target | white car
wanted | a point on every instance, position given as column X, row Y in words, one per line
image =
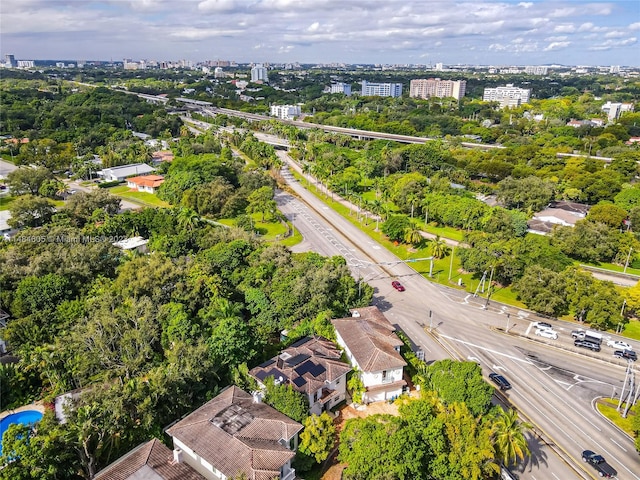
column 618, row 345
column 546, row 333
column 542, row 325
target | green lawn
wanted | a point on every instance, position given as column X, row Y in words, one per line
column 632, row 329
column 143, row 198
column 5, row 202
column 613, row 267
column 607, row 407
column 269, row 231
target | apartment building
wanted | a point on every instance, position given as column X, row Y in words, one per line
column 370, row 89
column 340, row 87
column 615, row 109
column 434, row 87
column 259, row 74
column 286, row 112
column 536, row 70
column 507, row 96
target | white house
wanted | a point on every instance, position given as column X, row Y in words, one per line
column 371, row 345
column 145, row 183
column 312, row 366
column 235, row 434
column 120, row 173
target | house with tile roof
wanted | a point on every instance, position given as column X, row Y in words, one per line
column 372, row 346
column 236, row 434
column 312, row 366
column 145, row 183
column 149, row 461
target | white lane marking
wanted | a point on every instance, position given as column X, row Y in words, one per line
column 488, row 349
column 618, row 444
column 555, row 475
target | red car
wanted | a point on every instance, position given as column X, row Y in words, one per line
column 397, row 285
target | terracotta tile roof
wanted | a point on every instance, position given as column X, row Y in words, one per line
column 149, row 461
column 307, row 365
column 371, row 339
column 153, row 181
column 237, row 435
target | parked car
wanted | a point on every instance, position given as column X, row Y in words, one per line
column 619, row 345
column 547, row 333
column 626, row 354
column 587, row 344
column 500, row 381
column 599, row 463
column 398, row 286
column 542, row 325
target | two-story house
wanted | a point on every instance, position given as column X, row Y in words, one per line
column 312, row 366
column 235, row 434
column 371, row 345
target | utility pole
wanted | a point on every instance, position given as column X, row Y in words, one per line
column 627, row 262
column 453, row 250
column 486, row 305
column 430, row 320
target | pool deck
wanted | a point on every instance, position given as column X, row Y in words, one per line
column 32, row 406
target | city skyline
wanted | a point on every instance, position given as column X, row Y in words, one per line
column 326, row 31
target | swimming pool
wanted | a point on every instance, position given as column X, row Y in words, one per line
column 26, row 417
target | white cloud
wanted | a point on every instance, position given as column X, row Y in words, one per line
column 556, row 46
column 203, row 33
column 285, row 49
column 525, row 4
column 634, row 26
column 217, row 6
column 615, row 34
column 565, row 28
column 562, row 38
column 609, row 44
column 313, row 27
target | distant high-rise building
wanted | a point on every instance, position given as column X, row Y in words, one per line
column 508, row 96
column 536, row 70
column 614, row 69
column 340, row 87
column 286, row 112
column 26, row 64
column 439, row 67
column 614, row 110
column 434, row 87
column 218, row 72
column 259, row 74
column 381, row 89
column 10, row 60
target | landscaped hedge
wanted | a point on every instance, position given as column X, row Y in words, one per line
column 115, row 183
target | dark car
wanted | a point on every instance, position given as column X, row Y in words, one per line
column 500, row 381
column 397, row 285
column 599, row 463
column 626, row 354
column 587, row 344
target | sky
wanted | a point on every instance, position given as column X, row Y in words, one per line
column 482, row 32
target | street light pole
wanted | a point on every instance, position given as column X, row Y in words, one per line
column 430, row 320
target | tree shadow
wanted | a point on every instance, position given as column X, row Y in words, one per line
column 538, row 456
column 382, row 303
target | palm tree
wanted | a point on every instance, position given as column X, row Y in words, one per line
column 376, row 208
column 188, row 218
column 412, row 235
column 508, row 437
column 439, row 247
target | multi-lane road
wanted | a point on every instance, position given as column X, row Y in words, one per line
column 554, row 385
